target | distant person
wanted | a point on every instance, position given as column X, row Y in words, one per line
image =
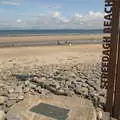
column 68, row 42
column 58, row 42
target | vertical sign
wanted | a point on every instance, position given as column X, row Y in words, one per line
column 109, row 53
column 116, row 110
column 110, row 78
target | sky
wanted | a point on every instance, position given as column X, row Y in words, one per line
column 51, row 14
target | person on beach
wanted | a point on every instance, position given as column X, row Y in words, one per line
column 68, row 42
column 58, row 42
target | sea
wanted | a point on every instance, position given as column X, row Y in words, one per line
column 48, row 32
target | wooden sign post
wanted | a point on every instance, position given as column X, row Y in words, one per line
column 110, row 78
column 116, row 108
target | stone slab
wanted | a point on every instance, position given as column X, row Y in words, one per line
column 80, row 109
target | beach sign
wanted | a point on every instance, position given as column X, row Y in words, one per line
column 110, row 78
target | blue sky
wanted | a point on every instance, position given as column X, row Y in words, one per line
column 46, row 14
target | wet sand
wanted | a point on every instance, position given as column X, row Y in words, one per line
column 49, row 40
column 51, row 37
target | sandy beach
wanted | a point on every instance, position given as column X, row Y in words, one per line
column 54, row 54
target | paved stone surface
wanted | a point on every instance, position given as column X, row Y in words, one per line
column 80, row 109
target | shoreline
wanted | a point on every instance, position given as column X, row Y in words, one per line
column 49, row 34
column 49, row 43
column 50, row 40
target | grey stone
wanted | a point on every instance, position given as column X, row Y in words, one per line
column 41, row 79
column 2, row 107
column 26, row 89
column 72, row 86
column 11, row 90
column 20, row 97
column 44, row 92
column 82, row 91
column 13, row 117
column 13, row 96
column 55, row 85
column 60, row 92
column 3, row 92
column 113, row 118
column 102, row 99
column 69, row 93
column 38, row 89
column 2, row 115
column 106, row 116
column 2, row 100
column 19, row 89
column 33, row 86
column 27, row 83
column 10, row 103
column 6, row 109
column 84, row 85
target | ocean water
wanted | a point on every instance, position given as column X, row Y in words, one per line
column 48, row 32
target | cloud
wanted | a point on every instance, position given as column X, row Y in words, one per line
column 78, row 15
column 96, row 14
column 13, row 3
column 50, row 6
column 89, row 20
column 55, row 20
column 19, row 20
column 56, row 14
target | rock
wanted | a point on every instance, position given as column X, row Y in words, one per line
column 72, row 86
column 36, row 78
column 26, row 89
column 55, row 85
column 13, row 96
column 59, row 78
column 91, row 83
column 82, row 91
column 38, row 89
column 27, row 83
column 102, row 101
column 84, row 85
column 44, row 92
column 6, row 109
column 3, row 92
column 2, row 100
column 20, row 97
column 113, row 118
column 91, row 90
column 33, row 86
column 13, row 117
column 19, row 89
column 99, row 114
column 3, row 107
column 60, row 92
column 102, row 93
column 69, row 93
column 2, row 115
column 10, row 90
column 106, row 116
column 32, row 92
column 10, row 103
